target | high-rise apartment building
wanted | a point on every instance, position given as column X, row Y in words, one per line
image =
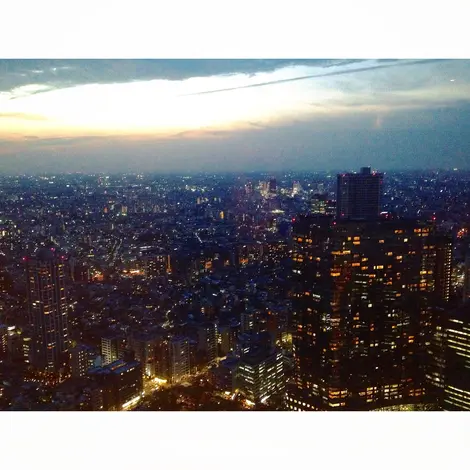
column 112, row 348
column 363, row 311
column 208, row 340
column 179, row 358
column 359, row 195
column 81, row 358
column 45, row 274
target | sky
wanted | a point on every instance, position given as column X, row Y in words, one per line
column 233, row 115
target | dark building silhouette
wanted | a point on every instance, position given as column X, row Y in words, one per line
column 45, row 274
column 359, row 195
column 120, row 384
column 363, row 298
column 272, row 186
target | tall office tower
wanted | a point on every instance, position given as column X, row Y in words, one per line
column 456, row 395
column 436, row 347
column 45, row 274
column 363, row 297
column 260, row 375
column 112, row 348
column 208, row 340
column 179, row 358
column 359, row 195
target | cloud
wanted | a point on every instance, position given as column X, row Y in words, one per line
column 24, row 116
column 198, row 133
column 81, row 139
column 69, row 73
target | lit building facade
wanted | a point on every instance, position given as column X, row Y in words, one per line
column 112, row 348
column 456, row 396
column 45, row 274
column 81, row 359
column 208, row 340
column 180, row 363
column 260, row 375
column 362, row 319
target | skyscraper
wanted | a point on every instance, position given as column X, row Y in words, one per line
column 362, row 301
column 359, row 195
column 45, row 273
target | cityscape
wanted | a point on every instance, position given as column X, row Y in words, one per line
column 181, row 236
column 298, row 291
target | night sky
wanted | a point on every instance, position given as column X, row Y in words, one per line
column 233, row 115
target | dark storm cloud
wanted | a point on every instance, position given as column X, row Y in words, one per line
column 68, row 73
